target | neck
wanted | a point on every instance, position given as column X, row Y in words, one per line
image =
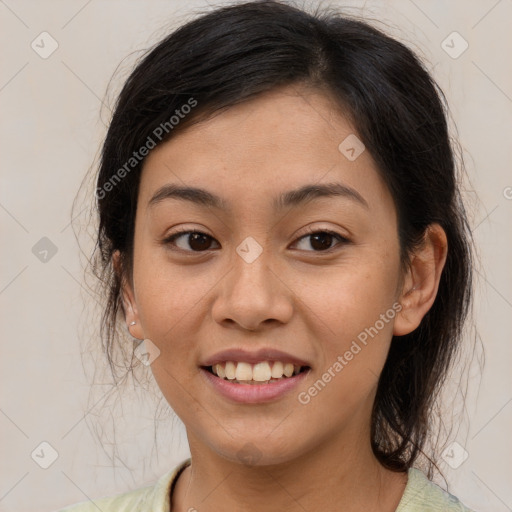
column 340, row 475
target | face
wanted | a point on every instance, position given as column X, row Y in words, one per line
column 271, row 277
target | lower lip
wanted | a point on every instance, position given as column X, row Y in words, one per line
column 254, row 393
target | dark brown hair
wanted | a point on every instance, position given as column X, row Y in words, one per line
column 233, row 53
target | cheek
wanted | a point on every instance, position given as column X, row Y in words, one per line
column 351, row 296
column 167, row 293
column 353, row 322
column 168, row 301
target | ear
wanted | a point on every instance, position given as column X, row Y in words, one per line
column 128, row 299
column 421, row 281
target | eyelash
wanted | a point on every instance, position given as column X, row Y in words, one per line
column 341, row 239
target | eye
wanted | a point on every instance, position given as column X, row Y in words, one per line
column 322, row 239
column 197, row 241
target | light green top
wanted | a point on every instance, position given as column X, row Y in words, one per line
column 420, row 495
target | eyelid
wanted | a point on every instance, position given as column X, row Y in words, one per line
column 342, row 239
column 169, row 239
column 310, row 231
column 313, row 230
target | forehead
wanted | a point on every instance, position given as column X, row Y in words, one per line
column 258, row 149
column 283, row 118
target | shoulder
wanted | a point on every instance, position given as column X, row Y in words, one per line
column 152, row 498
column 127, row 502
column 422, row 495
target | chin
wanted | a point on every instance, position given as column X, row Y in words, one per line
column 259, row 450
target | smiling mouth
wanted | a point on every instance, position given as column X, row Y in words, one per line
column 263, row 372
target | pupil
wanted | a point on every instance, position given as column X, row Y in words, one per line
column 195, row 240
column 322, row 237
column 320, row 241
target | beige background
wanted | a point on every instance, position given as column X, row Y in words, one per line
column 50, row 132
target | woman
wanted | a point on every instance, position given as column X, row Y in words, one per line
column 280, row 223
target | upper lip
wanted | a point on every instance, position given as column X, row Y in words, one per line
column 253, row 357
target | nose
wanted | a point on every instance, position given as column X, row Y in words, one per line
column 253, row 295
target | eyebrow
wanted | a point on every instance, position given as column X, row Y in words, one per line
column 292, row 198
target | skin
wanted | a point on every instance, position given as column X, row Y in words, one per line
column 293, row 297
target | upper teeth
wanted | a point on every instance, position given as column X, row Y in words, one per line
column 258, row 372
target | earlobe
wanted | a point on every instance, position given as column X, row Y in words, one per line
column 128, row 299
column 422, row 280
column 406, row 320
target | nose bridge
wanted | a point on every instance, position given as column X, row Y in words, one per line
column 252, row 277
column 252, row 293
